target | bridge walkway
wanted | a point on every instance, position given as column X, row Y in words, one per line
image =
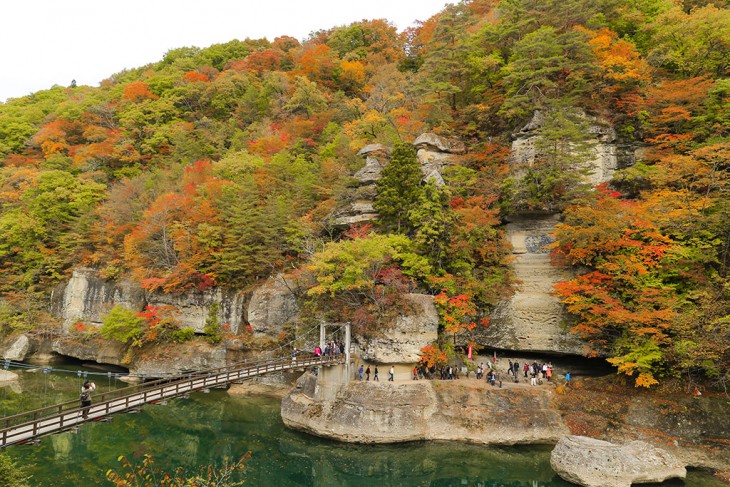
column 30, row 425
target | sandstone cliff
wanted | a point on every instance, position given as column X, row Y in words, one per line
column 608, row 154
column 466, row 410
column 435, row 153
column 87, row 297
column 388, row 412
column 533, row 319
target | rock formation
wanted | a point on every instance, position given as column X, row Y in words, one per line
column 17, row 349
column 596, row 463
column 388, row 412
column 433, row 152
column 412, row 331
column 87, row 297
column 360, row 207
column 608, row 153
column 533, row 319
column 7, row 376
column 272, row 305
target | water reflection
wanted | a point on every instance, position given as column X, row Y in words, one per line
column 210, row 427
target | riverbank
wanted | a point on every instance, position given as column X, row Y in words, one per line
column 466, row 410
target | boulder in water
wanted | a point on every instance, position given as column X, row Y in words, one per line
column 596, row 463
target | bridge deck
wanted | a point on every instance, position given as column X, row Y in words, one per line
column 27, row 426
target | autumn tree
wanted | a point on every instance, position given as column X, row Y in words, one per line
column 365, row 280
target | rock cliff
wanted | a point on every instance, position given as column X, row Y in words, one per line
column 388, row 412
column 434, row 153
column 694, row 432
column 532, row 319
column 608, row 154
column 596, row 463
column 87, row 297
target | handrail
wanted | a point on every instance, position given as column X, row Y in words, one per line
column 50, row 419
column 127, row 390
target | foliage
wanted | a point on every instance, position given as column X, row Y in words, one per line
column 145, row 473
column 364, row 280
column 220, row 166
column 139, row 328
column 212, row 328
column 12, row 474
column 122, row 325
column 182, row 335
column 432, row 356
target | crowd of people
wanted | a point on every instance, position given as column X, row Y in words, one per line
column 331, row 349
column 533, row 373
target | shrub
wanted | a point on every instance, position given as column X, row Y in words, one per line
column 182, row 336
column 122, row 325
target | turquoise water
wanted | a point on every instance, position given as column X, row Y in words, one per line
column 206, row 428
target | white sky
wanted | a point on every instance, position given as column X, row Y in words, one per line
column 49, row 42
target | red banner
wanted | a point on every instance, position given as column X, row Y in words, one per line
column 468, row 352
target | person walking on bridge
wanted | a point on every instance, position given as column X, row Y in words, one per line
column 85, row 398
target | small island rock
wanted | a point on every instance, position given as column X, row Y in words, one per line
column 596, row 463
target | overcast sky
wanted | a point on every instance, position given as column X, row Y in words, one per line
column 49, row 42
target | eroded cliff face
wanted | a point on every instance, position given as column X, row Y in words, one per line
column 533, row 319
column 607, row 155
column 264, row 312
column 412, row 331
column 273, row 305
column 391, row 412
column 435, row 153
column 87, row 297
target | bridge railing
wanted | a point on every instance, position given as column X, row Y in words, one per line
column 56, row 418
column 146, row 390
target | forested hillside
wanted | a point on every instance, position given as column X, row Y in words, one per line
column 219, row 166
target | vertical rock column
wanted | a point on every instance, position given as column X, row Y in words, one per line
column 532, row 320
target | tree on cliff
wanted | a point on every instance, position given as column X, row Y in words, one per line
column 399, row 189
column 364, row 280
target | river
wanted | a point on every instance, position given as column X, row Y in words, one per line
column 207, row 428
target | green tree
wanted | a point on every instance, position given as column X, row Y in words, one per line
column 559, row 172
column 122, row 325
column 212, row 330
column 434, row 222
column 399, row 189
column 12, row 474
column 442, row 75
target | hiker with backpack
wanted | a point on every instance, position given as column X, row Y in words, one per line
column 85, row 397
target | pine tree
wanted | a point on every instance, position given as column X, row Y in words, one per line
column 399, row 189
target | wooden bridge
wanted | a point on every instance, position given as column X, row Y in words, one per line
column 28, row 426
